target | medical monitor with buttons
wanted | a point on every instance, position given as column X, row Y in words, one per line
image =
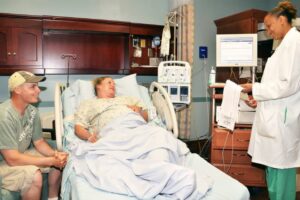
column 175, row 77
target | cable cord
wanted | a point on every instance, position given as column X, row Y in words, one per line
column 232, row 151
column 206, row 143
column 232, row 75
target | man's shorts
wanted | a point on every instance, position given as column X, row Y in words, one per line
column 20, row 178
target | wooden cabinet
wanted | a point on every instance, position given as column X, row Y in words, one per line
column 229, row 149
column 100, row 47
column 95, row 53
column 20, row 45
column 243, row 22
column 5, row 37
column 246, row 174
column 40, row 43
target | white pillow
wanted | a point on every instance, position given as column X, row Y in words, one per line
column 68, row 99
column 83, row 89
column 145, row 96
column 86, row 90
column 127, row 86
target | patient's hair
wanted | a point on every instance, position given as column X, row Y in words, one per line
column 98, row 81
column 286, row 9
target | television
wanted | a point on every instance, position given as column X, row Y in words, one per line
column 236, row 50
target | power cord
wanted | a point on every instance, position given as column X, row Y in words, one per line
column 206, row 144
column 232, row 75
column 232, row 152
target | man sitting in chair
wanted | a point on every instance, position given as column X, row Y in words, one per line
column 21, row 168
column 94, row 114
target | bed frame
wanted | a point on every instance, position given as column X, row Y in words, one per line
column 159, row 96
column 223, row 186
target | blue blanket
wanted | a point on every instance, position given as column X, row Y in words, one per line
column 136, row 159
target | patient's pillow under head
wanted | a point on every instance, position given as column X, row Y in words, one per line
column 82, row 89
column 127, row 86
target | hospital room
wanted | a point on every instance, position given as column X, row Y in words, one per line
column 150, row 99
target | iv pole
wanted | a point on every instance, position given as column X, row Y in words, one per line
column 172, row 17
column 68, row 56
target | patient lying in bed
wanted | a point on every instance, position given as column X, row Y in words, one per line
column 94, row 114
column 129, row 156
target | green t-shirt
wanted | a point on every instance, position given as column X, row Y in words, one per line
column 16, row 131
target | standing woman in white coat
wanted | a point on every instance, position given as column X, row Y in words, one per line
column 275, row 138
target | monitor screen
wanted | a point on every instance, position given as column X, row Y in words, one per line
column 236, row 50
column 174, row 90
column 184, row 90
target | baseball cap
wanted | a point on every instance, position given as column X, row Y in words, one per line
column 20, row 77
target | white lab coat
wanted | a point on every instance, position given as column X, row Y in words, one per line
column 275, row 138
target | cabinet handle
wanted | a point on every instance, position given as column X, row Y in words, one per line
column 239, row 155
column 8, row 53
column 14, row 53
column 242, row 140
column 237, row 174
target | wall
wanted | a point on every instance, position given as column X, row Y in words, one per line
column 296, row 3
column 153, row 11
column 176, row 3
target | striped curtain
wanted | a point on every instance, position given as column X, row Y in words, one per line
column 185, row 52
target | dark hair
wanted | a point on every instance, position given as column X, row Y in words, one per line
column 286, row 9
column 98, row 81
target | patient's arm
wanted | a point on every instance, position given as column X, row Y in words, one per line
column 144, row 114
column 139, row 110
column 84, row 134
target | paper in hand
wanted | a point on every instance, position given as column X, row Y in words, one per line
column 244, row 96
column 229, row 107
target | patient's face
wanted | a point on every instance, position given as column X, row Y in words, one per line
column 106, row 89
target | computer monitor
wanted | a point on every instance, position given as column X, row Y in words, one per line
column 236, row 50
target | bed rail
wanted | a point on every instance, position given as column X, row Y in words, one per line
column 58, row 111
column 164, row 107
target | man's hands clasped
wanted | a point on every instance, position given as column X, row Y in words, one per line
column 60, row 159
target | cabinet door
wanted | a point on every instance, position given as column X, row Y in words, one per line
column 96, row 52
column 5, row 52
column 27, row 46
column 239, row 139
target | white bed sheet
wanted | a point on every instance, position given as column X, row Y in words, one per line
column 224, row 188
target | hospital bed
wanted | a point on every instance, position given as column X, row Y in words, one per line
column 75, row 187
